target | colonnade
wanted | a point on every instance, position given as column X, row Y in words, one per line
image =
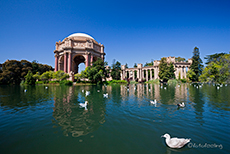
column 142, row 73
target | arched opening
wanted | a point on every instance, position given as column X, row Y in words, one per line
column 81, row 67
column 94, row 59
column 61, row 63
column 76, row 61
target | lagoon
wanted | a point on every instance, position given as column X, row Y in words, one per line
column 50, row 120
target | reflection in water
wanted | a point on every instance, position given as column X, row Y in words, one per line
column 14, row 98
column 73, row 119
column 130, row 123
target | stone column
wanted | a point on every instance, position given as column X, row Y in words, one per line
column 91, row 60
column 155, row 73
column 138, row 72
column 147, row 75
column 140, row 75
column 151, row 74
column 65, row 62
column 56, row 63
column 70, row 62
column 87, row 60
column 185, row 72
column 134, row 75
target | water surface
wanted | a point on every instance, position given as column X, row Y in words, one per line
column 50, row 120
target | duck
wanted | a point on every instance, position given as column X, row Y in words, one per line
column 84, row 105
column 46, row 87
column 25, row 90
column 175, row 142
column 181, row 104
column 153, row 102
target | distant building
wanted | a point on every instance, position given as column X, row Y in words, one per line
column 181, row 69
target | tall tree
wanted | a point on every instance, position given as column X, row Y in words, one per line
column 97, row 72
column 166, row 71
column 196, row 65
column 217, row 70
column 115, row 72
column 135, row 65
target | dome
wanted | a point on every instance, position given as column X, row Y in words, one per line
column 80, row 35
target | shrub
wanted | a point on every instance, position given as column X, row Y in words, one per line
column 172, row 81
column 66, row 82
column 53, row 82
column 183, row 80
column 154, row 81
column 117, row 82
column 39, row 82
column 29, row 78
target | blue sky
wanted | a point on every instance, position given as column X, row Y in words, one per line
column 131, row 31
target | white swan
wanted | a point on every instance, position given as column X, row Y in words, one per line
column 153, row 102
column 175, row 142
column 181, row 104
column 84, row 105
column 87, row 93
column 105, row 95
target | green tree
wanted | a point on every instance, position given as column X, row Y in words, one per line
column 60, row 75
column 46, row 76
column 116, row 70
column 135, row 65
column 217, row 70
column 214, row 58
column 196, row 65
column 166, row 71
column 37, row 76
column 180, row 59
column 97, row 72
column 29, row 79
column 171, row 71
column 11, row 72
column 149, row 64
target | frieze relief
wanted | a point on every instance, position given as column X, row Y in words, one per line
column 97, row 48
column 77, row 44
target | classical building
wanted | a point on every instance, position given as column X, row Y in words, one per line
column 142, row 72
column 75, row 49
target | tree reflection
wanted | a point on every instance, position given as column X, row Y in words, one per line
column 74, row 120
column 13, row 97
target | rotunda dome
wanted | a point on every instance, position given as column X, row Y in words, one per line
column 80, row 35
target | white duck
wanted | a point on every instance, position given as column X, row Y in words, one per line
column 153, row 102
column 175, row 142
column 181, row 104
column 84, row 105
